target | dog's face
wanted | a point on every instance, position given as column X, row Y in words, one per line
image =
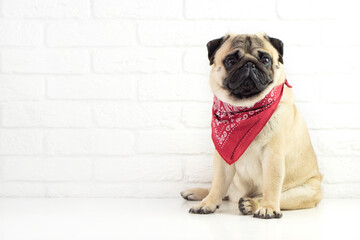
column 245, row 67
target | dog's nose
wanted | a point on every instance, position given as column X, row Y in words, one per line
column 249, row 65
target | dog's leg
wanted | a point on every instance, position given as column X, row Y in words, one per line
column 222, row 177
column 273, row 175
column 307, row 195
column 195, row 194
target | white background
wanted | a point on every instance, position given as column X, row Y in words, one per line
column 110, row 98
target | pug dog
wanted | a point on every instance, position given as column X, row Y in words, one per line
column 264, row 168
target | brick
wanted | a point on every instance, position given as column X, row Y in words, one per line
column 181, row 142
column 312, row 60
column 336, row 142
column 139, row 168
column 91, row 33
column 183, row 87
column 137, row 115
column 322, row 115
column 21, row 87
column 92, row 87
column 15, row 142
column 308, row 33
column 89, row 142
column 21, row 33
column 356, row 148
column 46, row 114
column 343, row 37
column 295, row 57
column 138, row 9
column 135, row 60
column 197, row 114
column 196, row 61
column 230, row 9
column 45, row 61
column 179, row 33
column 306, row 88
column 321, row 9
column 198, row 33
column 313, row 115
column 329, row 167
column 199, row 168
column 72, row 189
column 346, row 190
column 47, row 169
column 136, row 190
column 46, row 9
column 340, row 88
column 22, row 189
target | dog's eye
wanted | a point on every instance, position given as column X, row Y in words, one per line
column 265, row 60
column 230, row 61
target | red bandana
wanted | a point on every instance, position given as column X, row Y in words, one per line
column 234, row 128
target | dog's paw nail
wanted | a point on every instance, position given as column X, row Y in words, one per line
column 267, row 213
column 277, row 215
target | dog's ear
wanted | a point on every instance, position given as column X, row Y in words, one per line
column 279, row 46
column 212, row 47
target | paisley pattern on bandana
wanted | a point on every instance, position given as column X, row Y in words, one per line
column 234, row 128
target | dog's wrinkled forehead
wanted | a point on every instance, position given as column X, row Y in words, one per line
column 219, row 48
column 246, row 42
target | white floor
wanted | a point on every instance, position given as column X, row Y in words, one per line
column 105, row 219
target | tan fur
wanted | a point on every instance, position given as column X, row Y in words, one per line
column 279, row 169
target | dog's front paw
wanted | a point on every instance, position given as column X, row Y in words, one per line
column 203, row 209
column 246, row 206
column 267, row 213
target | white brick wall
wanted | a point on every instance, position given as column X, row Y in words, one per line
column 110, row 97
